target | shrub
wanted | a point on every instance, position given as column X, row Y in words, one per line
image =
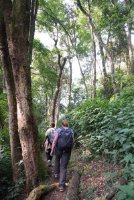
column 5, row 174
column 107, row 126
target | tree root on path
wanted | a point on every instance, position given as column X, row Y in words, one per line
column 37, row 192
column 73, row 189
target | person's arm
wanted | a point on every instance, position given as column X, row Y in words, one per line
column 54, row 143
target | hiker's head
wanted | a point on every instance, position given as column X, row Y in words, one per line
column 65, row 123
column 52, row 125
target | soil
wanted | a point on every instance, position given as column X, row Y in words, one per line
column 98, row 177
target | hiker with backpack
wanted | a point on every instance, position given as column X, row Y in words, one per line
column 62, row 145
column 47, row 143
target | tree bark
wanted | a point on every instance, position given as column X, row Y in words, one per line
column 17, row 20
column 33, row 13
column 16, row 155
column 83, row 76
column 129, row 37
column 103, row 60
column 57, row 109
column 57, row 90
column 94, row 64
column 105, row 77
column 130, row 49
column 1, row 91
column 70, row 69
column 40, row 191
column 70, row 82
column 1, row 79
column 46, row 108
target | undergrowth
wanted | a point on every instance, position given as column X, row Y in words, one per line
column 106, row 127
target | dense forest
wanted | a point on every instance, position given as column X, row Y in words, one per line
column 66, row 59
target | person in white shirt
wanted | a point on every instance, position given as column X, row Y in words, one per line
column 47, row 143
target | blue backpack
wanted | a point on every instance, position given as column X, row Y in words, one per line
column 65, row 139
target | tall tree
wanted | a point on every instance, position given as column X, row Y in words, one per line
column 65, row 19
column 17, row 25
column 16, row 155
column 129, row 6
column 61, row 65
column 44, row 78
column 98, row 36
column 94, row 64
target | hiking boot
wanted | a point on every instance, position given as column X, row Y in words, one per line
column 61, row 189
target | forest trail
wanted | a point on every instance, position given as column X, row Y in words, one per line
column 56, row 194
column 97, row 179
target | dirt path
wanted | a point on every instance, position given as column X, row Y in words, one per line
column 56, row 194
column 97, row 179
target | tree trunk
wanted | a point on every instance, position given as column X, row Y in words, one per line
column 1, row 91
column 16, row 154
column 1, row 79
column 34, row 8
column 129, row 37
column 57, row 109
column 40, row 191
column 57, row 90
column 17, row 28
column 105, row 79
column 103, row 60
column 112, row 73
column 126, row 58
column 98, row 36
column 70, row 82
column 130, row 49
column 46, row 108
column 83, row 76
column 94, row 64
column 70, row 69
